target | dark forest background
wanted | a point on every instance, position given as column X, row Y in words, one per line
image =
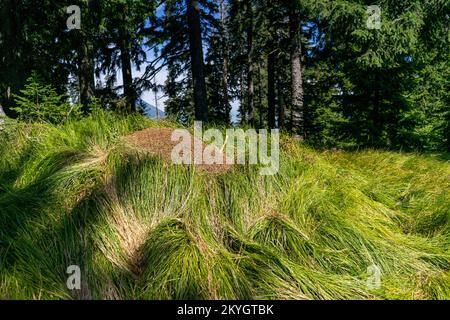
column 312, row 68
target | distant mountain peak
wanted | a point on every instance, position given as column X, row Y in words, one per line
column 149, row 110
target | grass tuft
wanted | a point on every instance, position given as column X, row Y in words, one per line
column 76, row 194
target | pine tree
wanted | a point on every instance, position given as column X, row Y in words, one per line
column 217, row 70
column 297, row 118
column 197, row 63
column 41, row 103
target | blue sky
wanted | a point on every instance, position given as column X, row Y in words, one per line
column 149, row 96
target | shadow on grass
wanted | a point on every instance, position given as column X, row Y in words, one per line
column 39, row 236
column 444, row 156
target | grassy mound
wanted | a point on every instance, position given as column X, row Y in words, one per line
column 139, row 229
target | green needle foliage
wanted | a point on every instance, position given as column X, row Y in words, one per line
column 41, row 103
column 76, row 194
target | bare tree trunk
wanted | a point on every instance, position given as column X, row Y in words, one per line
column 281, row 105
column 271, row 61
column 250, row 84
column 86, row 76
column 447, row 131
column 260, row 98
column 155, row 91
column 128, row 90
column 297, row 116
column 86, row 70
column 125, row 59
column 377, row 123
column 242, row 110
column 197, row 63
column 2, row 115
column 13, row 70
column 225, row 63
column 2, row 112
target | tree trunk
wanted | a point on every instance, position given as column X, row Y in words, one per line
column 250, row 84
column 155, row 91
column 13, row 72
column 225, row 64
column 171, row 107
column 377, row 123
column 242, row 110
column 197, row 63
column 260, row 98
column 86, row 74
column 125, row 59
column 128, row 90
column 2, row 115
column 447, row 131
column 297, row 116
column 281, row 105
column 271, row 61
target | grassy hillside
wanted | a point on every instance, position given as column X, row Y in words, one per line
column 138, row 228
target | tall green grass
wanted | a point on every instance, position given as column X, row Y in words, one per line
column 75, row 194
